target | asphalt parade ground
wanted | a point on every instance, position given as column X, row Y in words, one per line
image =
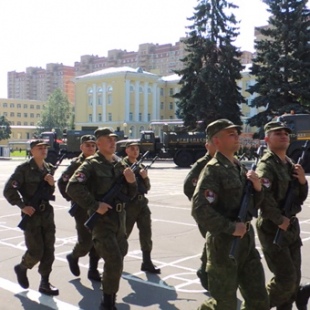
column 177, row 247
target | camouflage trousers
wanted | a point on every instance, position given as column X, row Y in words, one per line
column 40, row 242
column 284, row 262
column 84, row 243
column 139, row 212
column 227, row 275
column 111, row 244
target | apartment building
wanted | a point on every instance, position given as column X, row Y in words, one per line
column 23, row 116
column 39, row 83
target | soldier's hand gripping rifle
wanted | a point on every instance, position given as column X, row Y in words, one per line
column 290, row 198
column 40, row 194
column 113, row 193
column 245, row 207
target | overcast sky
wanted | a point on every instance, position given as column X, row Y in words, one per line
column 37, row 32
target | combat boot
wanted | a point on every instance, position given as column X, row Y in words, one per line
column 47, row 288
column 147, row 264
column 21, row 272
column 303, row 297
column 73, row 265
column 108, row 302
column 93, row 273
column 203, row 276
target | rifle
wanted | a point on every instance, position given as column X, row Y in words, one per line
column 113, row 192
column 245, row 204
column 37, row 198
column 290, row 198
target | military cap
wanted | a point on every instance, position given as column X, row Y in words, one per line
column 132, row 143
column 272, row 126
column 220, row 124
column 36, row 142
column 88, row 138
column 105, row 131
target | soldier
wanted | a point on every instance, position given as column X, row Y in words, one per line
column 90, row 182
column 216, row 201
column 276, row 171
column 84, row 243
column 137, row 210
column 189, row 186
column 31, row 178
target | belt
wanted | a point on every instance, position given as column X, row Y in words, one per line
column 119, row 207
column 43, row 206
column 140, row 197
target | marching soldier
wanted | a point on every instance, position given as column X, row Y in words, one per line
column 84, row 243
column 189, row 186
column 35, row 177
column 137, row 210
column 90, row 182
column 277, row 171
column 217, row 201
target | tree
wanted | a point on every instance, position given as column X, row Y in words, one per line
column 5, row 129
column 209, row 89
column 282, row 64
column 56, row 113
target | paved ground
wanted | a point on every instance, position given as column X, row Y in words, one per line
column 177, row 248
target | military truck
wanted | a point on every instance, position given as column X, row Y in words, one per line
column 300, row 126
column 182, row 146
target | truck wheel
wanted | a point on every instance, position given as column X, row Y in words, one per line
column 183, row 159
column 51, row 158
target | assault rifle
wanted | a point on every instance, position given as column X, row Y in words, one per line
column 114, row 191
column 38, row 196
column 290, row 198
column 245, row 208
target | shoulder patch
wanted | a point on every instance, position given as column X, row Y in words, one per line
column 80, row 177
column 15, row 184
column 266, row 182
column 194, row 182
column 65, row 177
column 209, row 195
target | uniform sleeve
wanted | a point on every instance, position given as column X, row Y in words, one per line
column 269, row 206
column 64, row 179
column 205, row 203
column 12, row 186
column 188, row 185
column 78, row 190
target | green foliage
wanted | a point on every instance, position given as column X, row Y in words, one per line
column 5, row 129
column 282, row 64
column 56, row 113
column 211, row 67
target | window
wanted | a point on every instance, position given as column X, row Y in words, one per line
column 99, row 99
column 171, row 91
column 25, row 123
column 110, row 89
column 161, row 91
column 149, row 117
column 110, row 117
column 171, row 105
column 38, row 115
column 38, row 107
column 130, row 116
column 25, row 106
column 109, row 99
column 12, row 105
column 132, row 88
column 31, row 123
column 140, row 117
column 161, row 105
column 31, row 106
column 25, row 114
column 5, row 105
column 12, row 114
column 18, row 123
column 90, row 100
column 31, row 115
column 149, row 90
column 90, row 117
column 99, row 117
column 19, row 115
column 5, row 113
column 18, row 106
column 141, row 89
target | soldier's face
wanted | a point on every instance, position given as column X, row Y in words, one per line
column 106, row 145
column 133, row 151
column 227, row 140
column 88, row 148
column 278, row 139
column 39, row 151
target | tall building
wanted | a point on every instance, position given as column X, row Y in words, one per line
column 39, row 84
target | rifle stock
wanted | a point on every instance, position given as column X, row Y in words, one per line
column 112, row 193
column 289, row 198
column 245, row 205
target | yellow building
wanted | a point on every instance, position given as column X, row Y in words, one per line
column 23, row 116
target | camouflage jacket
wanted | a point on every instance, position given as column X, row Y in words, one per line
column 218, row 194
column 94, row 178
column 25, row 181
column 276, row 177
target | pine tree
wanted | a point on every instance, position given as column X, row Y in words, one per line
column 56, row 113
column 5, row 128
column 209, row 89
column 282, row 64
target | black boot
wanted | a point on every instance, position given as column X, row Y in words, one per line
column 73, row 265
column 93, row 273
column 303, row 297
column 108, row 301
column 147, row 264
column 203, row 276
column 47, row 288
column 21, row 272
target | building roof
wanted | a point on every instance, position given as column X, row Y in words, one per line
column 113, row 70
column 171, row 78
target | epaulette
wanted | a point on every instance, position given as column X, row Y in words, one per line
column 213, row 162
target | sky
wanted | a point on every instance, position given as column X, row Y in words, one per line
column 37, row 32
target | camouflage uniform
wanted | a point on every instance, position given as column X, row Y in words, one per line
column 93, row 179
column 40, row 228
column 285, row 261
column 84, row 243
column 216, row 202
column 189, row 186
